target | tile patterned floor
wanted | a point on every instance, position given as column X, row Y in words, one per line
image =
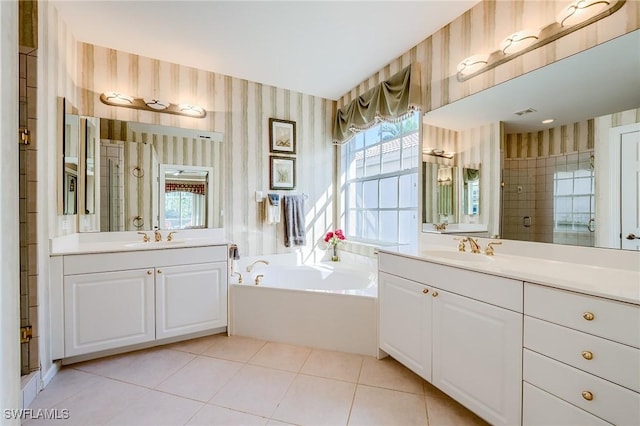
column 220, row 380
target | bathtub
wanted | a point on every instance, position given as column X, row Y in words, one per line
column 323, row 306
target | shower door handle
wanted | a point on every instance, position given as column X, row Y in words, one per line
column 591, row 226
column 633, row 237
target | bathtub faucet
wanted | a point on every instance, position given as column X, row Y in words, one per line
column 250, row 267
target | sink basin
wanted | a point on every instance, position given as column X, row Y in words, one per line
column 458, row 256
column 153, row 244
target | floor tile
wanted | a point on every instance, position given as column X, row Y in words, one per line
column 375, row 406
column 445, row 411
column 194, row 346
column 233, row 348
column 281, row 356
column 157, row 409
column 65, row 384
column 390, row 374
column 255, row 390
column 201, row 378
column 212, row 415
column 333, row 365
column 316, row 401
column 98, row 403
column 145, row 368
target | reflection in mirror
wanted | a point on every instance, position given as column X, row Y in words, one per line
column 89, row 140
column 446, row 194
column 185, row 200
column 549, row 171
column 439, row 194
column 470, row 191
column 71, row 136
column 130, row 156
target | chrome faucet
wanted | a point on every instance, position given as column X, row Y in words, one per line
column 473, row 243
column 250, row 267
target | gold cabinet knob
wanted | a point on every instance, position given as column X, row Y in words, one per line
column 587, row 395
column 159, row 271
column 149, row 272
column 425, row 291
column 588, row 355
column 434, row 294
column 588, row 316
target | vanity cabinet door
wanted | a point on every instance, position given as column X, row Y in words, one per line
column 405, row 329
column 108, row 310
column 477, row 356
column 190, row 298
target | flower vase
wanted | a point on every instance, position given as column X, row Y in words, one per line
column 334, row 253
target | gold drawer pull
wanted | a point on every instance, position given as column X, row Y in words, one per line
column 588, row 316
column 587, row 395
column 434, row 294
column 588, row 355
column 425, row 291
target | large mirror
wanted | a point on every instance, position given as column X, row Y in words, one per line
column 138, row 162
column 555, row 182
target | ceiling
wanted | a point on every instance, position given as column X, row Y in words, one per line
column 320, row 48
column 598, row 81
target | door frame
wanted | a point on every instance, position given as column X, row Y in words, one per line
column 608, row 234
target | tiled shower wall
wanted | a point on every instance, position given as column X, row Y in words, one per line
column 28, row 210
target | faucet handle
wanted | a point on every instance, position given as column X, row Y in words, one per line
column 489, row 250
column 461, row 247
column 170, row 236
column 145, row 237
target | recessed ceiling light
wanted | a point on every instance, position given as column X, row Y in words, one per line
column 548, row 120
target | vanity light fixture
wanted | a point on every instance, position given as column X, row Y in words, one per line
column 473, row 64
column 578, row 14
column 156, row 104
column 518, row 41
column 436, row 152
column 150, row 104
column 117, row 98
column 579, row 11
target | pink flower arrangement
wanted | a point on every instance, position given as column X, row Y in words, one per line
column 334, row 238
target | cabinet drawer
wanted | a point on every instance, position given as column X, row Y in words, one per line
column 499, row 291
column 104, row 262
column 612, row 320
column 603, row 399
column 610, row 360
column 540, row 408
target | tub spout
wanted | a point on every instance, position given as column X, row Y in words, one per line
column 250, row 267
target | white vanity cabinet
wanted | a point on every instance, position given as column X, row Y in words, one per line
column 581, row 356
column 458, row 329
column 104, row 301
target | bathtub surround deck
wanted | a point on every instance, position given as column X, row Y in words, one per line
column 221, row 380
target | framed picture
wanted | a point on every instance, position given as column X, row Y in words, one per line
column 282, row 173
column 282, row 136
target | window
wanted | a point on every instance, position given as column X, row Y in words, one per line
column 183, row 210
column 573, row 203
column 381, row 192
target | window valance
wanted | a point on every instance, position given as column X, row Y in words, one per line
column 193, row 187
column 390, row 100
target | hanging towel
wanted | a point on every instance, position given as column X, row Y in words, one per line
column 294, row 229
column 272, row 208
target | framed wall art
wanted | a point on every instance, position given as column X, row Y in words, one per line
column 282, row 173
column 282, row 136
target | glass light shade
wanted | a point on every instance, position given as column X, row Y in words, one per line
column 473, row 63
column 579, row 11
column 519, row 41
column 118, row 98
column 156, row 104
column 189, row 109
